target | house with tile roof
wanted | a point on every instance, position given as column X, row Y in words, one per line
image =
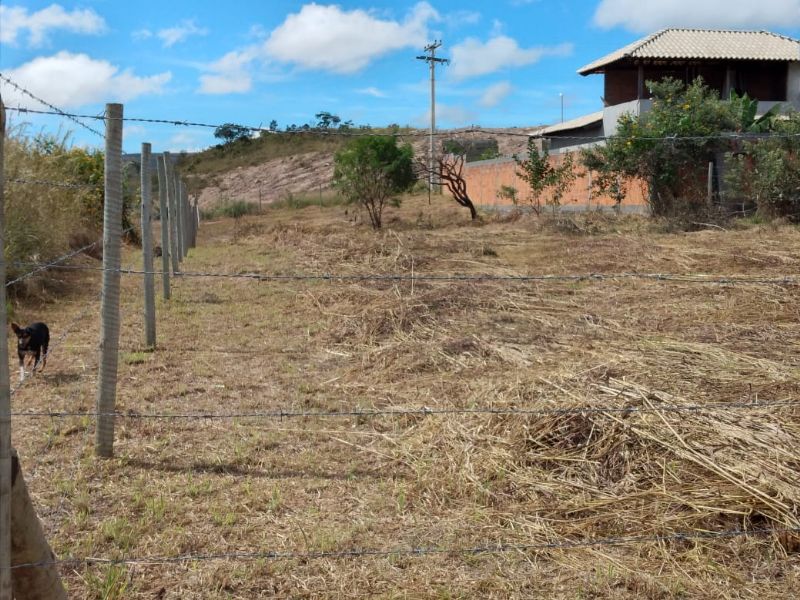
column 764, row 65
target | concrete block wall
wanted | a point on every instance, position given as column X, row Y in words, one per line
column 485, row 178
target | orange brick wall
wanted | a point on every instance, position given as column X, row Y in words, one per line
column 485, row 178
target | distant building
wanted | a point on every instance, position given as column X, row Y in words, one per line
column 764, row 65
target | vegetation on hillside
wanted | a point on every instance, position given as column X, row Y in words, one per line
column 45, row 221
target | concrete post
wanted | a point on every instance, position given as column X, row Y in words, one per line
column 109, row 305
column 173, row 212
column 165, row 247
column 147, row 252
column 5, row 397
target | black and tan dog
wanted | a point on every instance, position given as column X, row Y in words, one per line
column 32, row 341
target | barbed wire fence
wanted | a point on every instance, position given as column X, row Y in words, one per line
column 30, row 542
column 184, row 219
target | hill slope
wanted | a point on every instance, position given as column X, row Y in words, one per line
column 272, row 168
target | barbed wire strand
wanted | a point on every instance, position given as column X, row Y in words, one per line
column 425, row 134
column 359, row 413
column 62, row 338
column 785, row 280
column 55, row 109
column 488, row 548
column 57, row 184
column 39, row 267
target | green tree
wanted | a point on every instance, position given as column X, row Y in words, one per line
column 326, row 120
column 543, row 177
column 668, row 147
column 372, row 171
column 230, row 132
column 766, row 171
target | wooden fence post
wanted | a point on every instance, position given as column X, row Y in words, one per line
column 109, row 304
column 5, row 396
column 173, row 211
column 162, row 204
column 147, row 251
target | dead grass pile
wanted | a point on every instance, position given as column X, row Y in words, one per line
column 571, row 474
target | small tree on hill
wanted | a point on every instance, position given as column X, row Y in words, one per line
column 372, row 171
column 326, row 120
column 230, row 132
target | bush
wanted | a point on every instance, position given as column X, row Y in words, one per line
column 668, row 147
column 235, row 209
column 371, row 171
column 41, row 220
column 767, row 171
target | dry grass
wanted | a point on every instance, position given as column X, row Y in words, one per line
column 455, row 481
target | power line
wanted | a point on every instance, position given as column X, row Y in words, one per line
column 743, row 136
column 487, row 548
column 786, row 280
column 358, row 413
column 431, row 59
column 57, row 110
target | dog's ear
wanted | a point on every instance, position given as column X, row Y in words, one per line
column 16, row 329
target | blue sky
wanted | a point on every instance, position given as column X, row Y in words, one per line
column 250, row 62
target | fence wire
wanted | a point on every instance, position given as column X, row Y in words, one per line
column 358, row 413
column 43, row 182
column 421, row 133
column 784, row 280
column 55, row 109
column 39, row 267
column 488, row 548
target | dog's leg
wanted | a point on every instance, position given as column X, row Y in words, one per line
column 21, row 369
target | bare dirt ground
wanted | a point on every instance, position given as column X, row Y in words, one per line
column 452, row 481
column 311, row 173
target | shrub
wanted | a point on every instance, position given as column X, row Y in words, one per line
column 41, row 220
column 669, row 147
column 371, row 171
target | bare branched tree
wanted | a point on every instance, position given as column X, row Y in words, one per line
column 449, row 169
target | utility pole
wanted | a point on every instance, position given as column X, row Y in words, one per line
column 431, row 59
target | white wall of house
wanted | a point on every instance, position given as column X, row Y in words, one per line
column 793, row 85
column 611, row 114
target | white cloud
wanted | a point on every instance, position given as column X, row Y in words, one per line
column 463, row 17
column 72, row 80
column 744, row 14
column 172, row 35
column 331, row 39
column 495, row 94
column 188, row 141
column 142, row 34
column 372, row 91
column 472, row 58
column 230, row 74
column 15, row 20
